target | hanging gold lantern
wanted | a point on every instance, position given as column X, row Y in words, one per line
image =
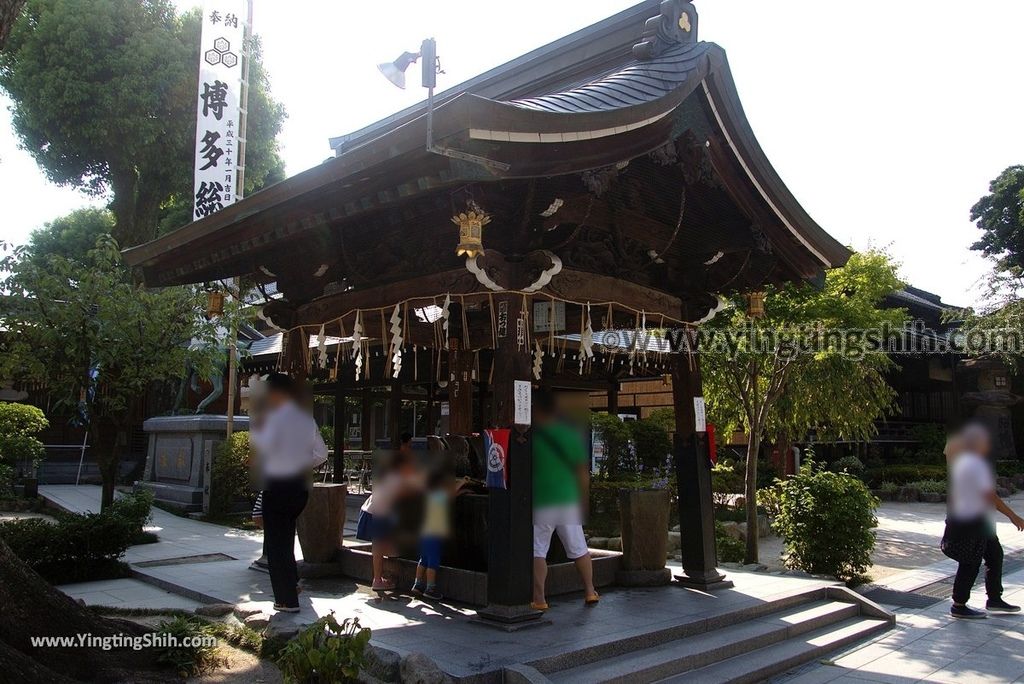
column 755, row 304
column 214, row 303
column 471, row 232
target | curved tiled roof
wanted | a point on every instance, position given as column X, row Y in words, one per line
column 636, row 84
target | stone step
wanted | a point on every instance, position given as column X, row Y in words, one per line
column 758, row 665
column 700, row 650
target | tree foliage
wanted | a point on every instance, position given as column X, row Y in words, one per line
column 769, row 387
column 1000, row 216
column 827, row 520
column 97, row 340
column 104, row 99
column 72, row 236
column 9, row 11
column 20, row 425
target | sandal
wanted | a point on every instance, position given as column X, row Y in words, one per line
column 591, row 599
column 539, row 606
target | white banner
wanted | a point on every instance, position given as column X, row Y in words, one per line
column 218, row 105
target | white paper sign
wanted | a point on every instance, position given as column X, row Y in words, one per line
column 218, row 105
column 699, row 414
column 542, row 316
column 523, row 391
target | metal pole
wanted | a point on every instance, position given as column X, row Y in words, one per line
column 239, row 194
column 81, row 457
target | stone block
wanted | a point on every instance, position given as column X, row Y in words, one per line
column 382, row 664
column 416, row 668
column 674, row 541
column 215, row 609
column 598, row 543
column 257, row 621
column 909, row 494
column 321, row 527
column 615, row 543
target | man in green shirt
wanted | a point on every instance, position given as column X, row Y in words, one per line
column 561, row 486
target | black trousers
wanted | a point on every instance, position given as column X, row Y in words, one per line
column 283, row 501
column 967, row 573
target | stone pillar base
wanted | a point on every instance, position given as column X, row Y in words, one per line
column 643, row 578
column 711, row 583
column 509, row 618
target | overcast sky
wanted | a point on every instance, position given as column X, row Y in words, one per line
column 886, row 120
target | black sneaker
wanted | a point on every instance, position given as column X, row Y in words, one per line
column 1000, row 606
column 417, row 589
column 967, row 613
column 432, row 593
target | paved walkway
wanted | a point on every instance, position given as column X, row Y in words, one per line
column 929, row 646
column 926, row 646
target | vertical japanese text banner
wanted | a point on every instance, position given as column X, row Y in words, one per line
column 218, row 105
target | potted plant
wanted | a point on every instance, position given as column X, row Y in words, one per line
column 644, row 507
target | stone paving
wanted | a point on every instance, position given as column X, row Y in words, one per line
column 929, row 646
column 926, row 646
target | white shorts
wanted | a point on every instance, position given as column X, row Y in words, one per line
column 562, row 519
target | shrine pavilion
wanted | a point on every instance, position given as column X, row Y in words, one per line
column 606, row 182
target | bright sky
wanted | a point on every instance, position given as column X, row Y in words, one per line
column 886, row 120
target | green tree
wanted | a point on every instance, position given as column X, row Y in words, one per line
column 104, row 98
column 19, row 426
column 97, row 340
column 72, row 236
column 1000, row 216
column 9, row 11
column 770, row 387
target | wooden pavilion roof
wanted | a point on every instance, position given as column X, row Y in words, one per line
column 567, row 121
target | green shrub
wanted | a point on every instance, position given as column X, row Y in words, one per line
column 194, row 648
column 1009, row 468
column 19, row 425
column 75, row 548
column 6, row 480
column 931, row 486
column 134, row 508
column 848, row 464
column 889, row 487
column 827, row 521
column 230, row 477
column 730, row 549
column 904, row 474
column 325, row 652
column 726, row 480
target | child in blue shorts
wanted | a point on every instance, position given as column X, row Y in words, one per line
column 436, row 529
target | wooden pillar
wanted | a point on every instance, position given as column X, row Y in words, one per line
column 395, row 411
column 365, row 420
column 339, row 433
column 510, row 511
column 613, row 397
column 693, row 476
column 460, row 388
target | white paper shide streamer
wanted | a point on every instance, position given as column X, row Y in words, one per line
column 538, row 360
column 396, row 342
column 321, row 346
column 357, row 344
column 445, row 313
column 586, row 340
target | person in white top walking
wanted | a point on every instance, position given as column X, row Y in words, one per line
column 288, row 446
column 970, row 536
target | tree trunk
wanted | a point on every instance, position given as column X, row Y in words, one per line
column 9, row 11
column 32, row 608
column 124, row 182
column 147, row 213
column 109, row 466
column 750, row 494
